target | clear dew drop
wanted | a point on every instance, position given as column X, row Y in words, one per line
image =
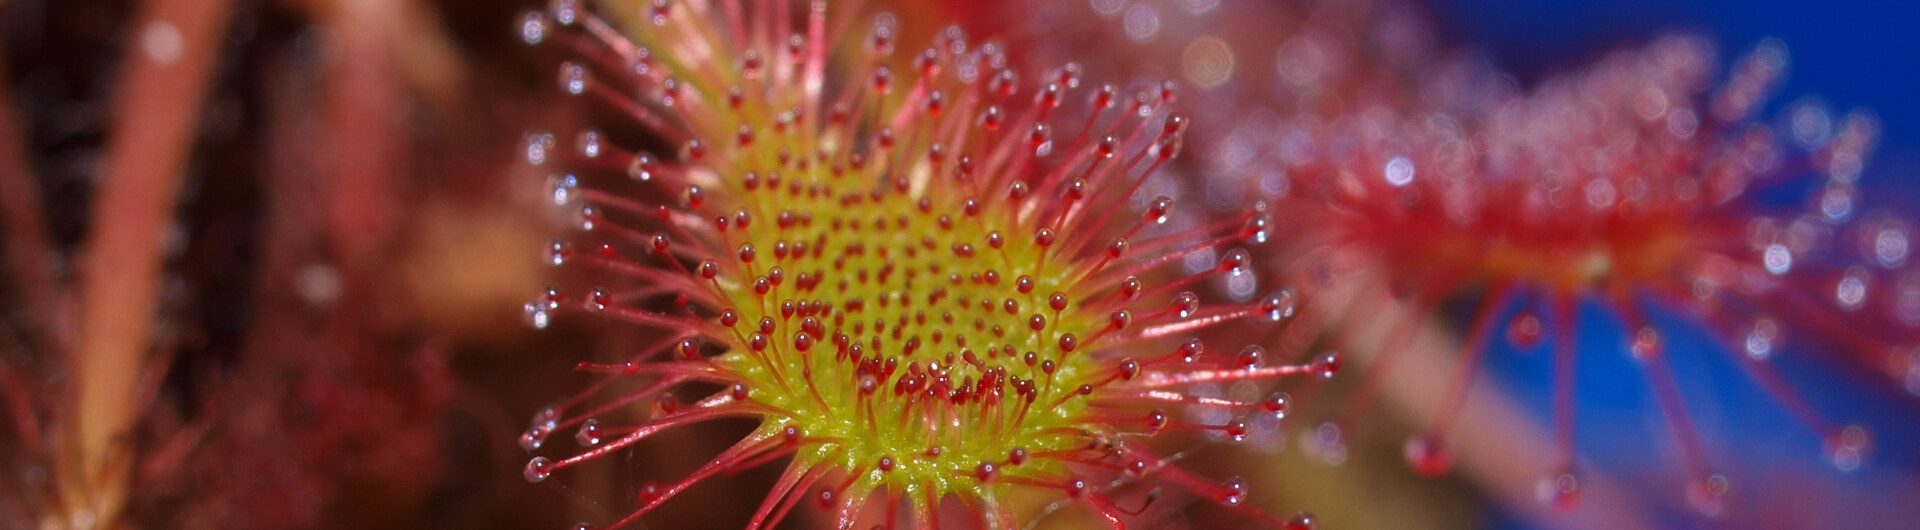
column 558, row 252
column 566, row 12
column 546, row 418
column 1303, row 521
column 590, row 144
column 1560, row 490
column 1236, row 492
column 1837, row 202
column 1524, row 331
column 1251, row 357
column 1708, row 494
column 1186, row 304
column 1851, row 292
column 565, row 188
column 1890, row 246
column 1157, row 209
column 536, row 147
column 1329, row 443
column 1777, row 259
column 533, row 27
column 1191, row 349
column 641, row 168
column 1762, row 338
column 1399, row 171
column 1646, row 344
column 589, row 433
column 1256, row 229
column 1278, row 405
column 1847, row 449
column 587, row 218
column 573, row 78
column 1326, row 365
column 1277, row 306
column 1236, row 430
column 536, row 315
column 538, row 469
column 1042, row 140
column 598, row 300
column 1236, row 261
column 538, row 312
column 534, row 437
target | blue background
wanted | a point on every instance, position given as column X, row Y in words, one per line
column 1851, row 54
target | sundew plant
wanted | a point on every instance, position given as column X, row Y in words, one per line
column 919, row 271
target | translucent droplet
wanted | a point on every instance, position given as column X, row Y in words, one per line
column 537, row 469
column 1399, row 171
column 589, row 218
column 1890, row 245
column 641, row 169
column 1836, row 202
column 1708, row 494
column 1042, row 140
column 536, row 315
column 1847, row 449
column 1142, row 22
column 1761, row 338
column 1186, row 304
column 537, row 312
column 1851, row 292
column 537, row 145
column 1524, row 331
column 590, row 144
column 566, row 12
column 1236, row 492
column 1240, row 287
column 533, row 27
column 546, row 418
column 1303, row 521
column 1777, row 259
column 1277, row 306
column 589, row 433
column 558, row 252
column 1207, row 62
column 1235, row 430
column 1256, row 229
column 534, row 437
column 1811, row 124
column 1251, row 357
column 573, row 78
column 1157, row 209
column 1191, row 349
column 598, row 300
column 1329, row 443
column 1646, row 344
column 1236, row 261
column 1277, row 405
column 1326, row 365
column 1560, row 490
column 565, row 188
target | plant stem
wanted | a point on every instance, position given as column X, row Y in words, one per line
column 172, row 47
